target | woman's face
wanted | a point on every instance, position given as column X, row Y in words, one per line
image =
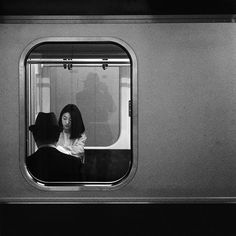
column 66, row 121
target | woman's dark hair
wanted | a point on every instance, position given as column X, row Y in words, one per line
column 77, row 124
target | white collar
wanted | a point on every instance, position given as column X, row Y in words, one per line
column 48, row 145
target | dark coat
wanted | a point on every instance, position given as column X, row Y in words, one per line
column 48, row 164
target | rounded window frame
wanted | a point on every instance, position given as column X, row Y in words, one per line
column 23, row 92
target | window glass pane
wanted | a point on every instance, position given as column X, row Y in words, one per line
column 95, row 91
column 96, row 78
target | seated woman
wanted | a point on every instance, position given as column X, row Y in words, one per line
column 72, row 137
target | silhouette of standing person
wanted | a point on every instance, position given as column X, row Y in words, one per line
column 97, row 104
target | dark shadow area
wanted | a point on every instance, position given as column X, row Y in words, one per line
column 123, row 7
column 106, row 165
column 118, row 219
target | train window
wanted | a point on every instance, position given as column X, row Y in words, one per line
column 96, row 77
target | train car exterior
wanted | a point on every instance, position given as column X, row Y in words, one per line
column 182, row 128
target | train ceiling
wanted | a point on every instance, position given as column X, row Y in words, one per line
column 116, row 7
column 78, row 50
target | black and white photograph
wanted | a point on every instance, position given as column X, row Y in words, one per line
column 117, row 117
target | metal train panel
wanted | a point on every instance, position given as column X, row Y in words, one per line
column 184, row 129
